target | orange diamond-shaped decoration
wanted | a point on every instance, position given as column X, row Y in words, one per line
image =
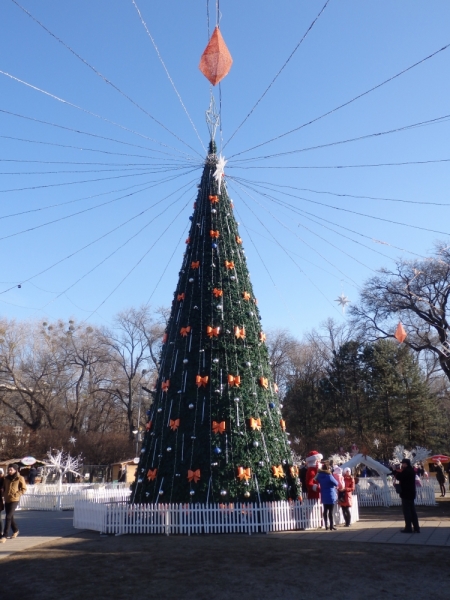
column 400, row 333
column 216, row 61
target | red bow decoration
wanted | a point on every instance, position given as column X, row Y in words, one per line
column 255, row 424
column 275, row 388
column 278, row 471
column 262, row 336
column 218, row 427
column 180, row 297
column 217, row 293
column 165, row 385
column 400, row 333
column 212, row 331
column 151, row 474
column 239, row 333
column 246, row 295
column 193, row 475
column 194, row 205
column 195, row 264
column 164, row 339
column 174, row 424
column 185, row 330
column 283, row 424
column 293, row 471
column 229, row 264
column 264, row 382
column 244, row 474
column 148, row 426
column 238, row 240
column 188, row 240
column 201, row 381
column 234, row 380
column 214, row 233
column 214, row 199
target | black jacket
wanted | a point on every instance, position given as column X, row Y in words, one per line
column 407, row 480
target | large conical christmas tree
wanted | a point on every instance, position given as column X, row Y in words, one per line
column 215, row 432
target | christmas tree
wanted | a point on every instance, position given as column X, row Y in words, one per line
column 215, row 432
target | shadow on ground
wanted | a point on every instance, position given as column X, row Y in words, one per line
column 217, row 567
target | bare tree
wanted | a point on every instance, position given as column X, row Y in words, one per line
column 415, row 293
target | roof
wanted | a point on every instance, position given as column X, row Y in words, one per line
column 369, row 462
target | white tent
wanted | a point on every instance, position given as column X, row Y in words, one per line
column 359, row 459
column 383, row 471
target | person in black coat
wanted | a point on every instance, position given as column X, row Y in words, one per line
column 407, row 479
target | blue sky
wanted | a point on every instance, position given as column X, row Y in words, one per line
column 298, row 266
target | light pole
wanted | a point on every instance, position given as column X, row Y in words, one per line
column 138, row 428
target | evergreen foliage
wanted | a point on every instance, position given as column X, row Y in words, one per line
column 366, row 391
column 215, row 431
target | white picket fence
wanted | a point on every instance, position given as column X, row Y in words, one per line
column 116, row 518
column 50, row 497
column 371, row 491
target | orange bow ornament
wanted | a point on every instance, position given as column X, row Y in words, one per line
column 214, row 199
column 174, row 424
column 264, row 382
column 238, row 240
column 255, row 424
column 151, row 474
column 180, row 297
column 218, row 427
column 214, row 233
column 275, row 388
column 185, row 330
column 148, row 426
column 165, row 385
column 193, row 475
column 262, row 336
column 217, row 293
column 229, row 264
column 244, row 474
column 234, row 380
column 201, row 381
column 246, row 295
column 278, row 471
column 188, row 240
column 293, row 471
column 164, row 339
column 212, row 331
column 239, row 333
column 283, row 424
column 195, row 264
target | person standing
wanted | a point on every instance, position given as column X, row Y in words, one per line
column 328, row 494
column 14, row 487
column 440, row 476
column 32, row 474
column 407, row 480
column 2, row 506
column 345, row 499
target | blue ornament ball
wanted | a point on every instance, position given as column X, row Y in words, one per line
column 217, row 451
column 214, row 246
column 190, row 218
column 271, row 405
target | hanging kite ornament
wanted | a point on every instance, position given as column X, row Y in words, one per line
column 400, row 333
column 216, row 61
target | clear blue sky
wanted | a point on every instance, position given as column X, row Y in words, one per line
column 353, row 46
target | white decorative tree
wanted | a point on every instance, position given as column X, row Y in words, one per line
column 63, row 463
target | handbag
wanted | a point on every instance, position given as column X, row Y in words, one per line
column 398, row 488
column 341, row 496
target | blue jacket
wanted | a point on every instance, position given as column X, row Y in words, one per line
column 328, row 485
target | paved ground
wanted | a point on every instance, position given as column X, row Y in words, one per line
column 376, row 525
column 38, row 527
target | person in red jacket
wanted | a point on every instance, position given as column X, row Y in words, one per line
column 312, row 462
column 345, row 498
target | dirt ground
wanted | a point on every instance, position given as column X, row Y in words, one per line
column 219, row 567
